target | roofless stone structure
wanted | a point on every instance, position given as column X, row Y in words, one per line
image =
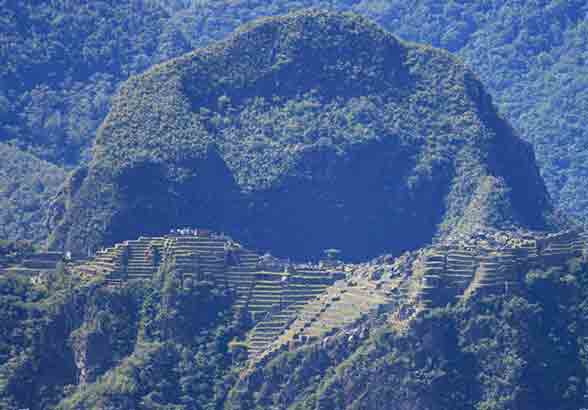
column 494, row 264
column 265, row 286
column 305, row 303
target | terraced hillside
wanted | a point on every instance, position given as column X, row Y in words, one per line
column 30, row 264
column 432, row 277
column 265, row 287
column 307, row 320
column 303, row 285
column 294, row 304
column 455, row 271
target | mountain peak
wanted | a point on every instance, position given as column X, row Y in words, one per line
column 300, row 133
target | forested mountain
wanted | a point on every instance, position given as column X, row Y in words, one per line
column 66, row 59
column 315, row 129
column 63, row 60
column 250, row 138
column 155, row 345
column 27, row 185
column 61, row 63
column 531, row 55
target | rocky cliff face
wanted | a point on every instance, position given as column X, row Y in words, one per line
column 300, row 133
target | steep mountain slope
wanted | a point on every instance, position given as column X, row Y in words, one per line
column 65, row 338
column 496, row 352
column 530, row 55
column 62, row 62
column 66, row 59
column 175, row 338
column 27, row 184
column 532, row 58
column 297, row 134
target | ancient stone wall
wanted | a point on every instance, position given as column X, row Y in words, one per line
column 455, row 271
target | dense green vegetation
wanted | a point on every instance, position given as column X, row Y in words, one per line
column 279, row 120
column 266, row 136
column 531, row 55
column 27, row 185
column 15, row 248
column 68, row 343
column 62, row 61
column 65, row 60
column 514, row 351
column 35, row 362
column 72, row 344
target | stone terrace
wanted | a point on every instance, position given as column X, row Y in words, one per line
column 453, row 272
column 270, row 291
column 294, row 304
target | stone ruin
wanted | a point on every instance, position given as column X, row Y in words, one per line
column 293, row 304
column 493, row 263
column 269, row 290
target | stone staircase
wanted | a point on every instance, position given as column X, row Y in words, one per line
column 338, row 306
column 493, row 275
column 461, row 266
column 105, row 263
column 562, row 248
column 435, row 265
column 266, row 294
column 108, row 262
